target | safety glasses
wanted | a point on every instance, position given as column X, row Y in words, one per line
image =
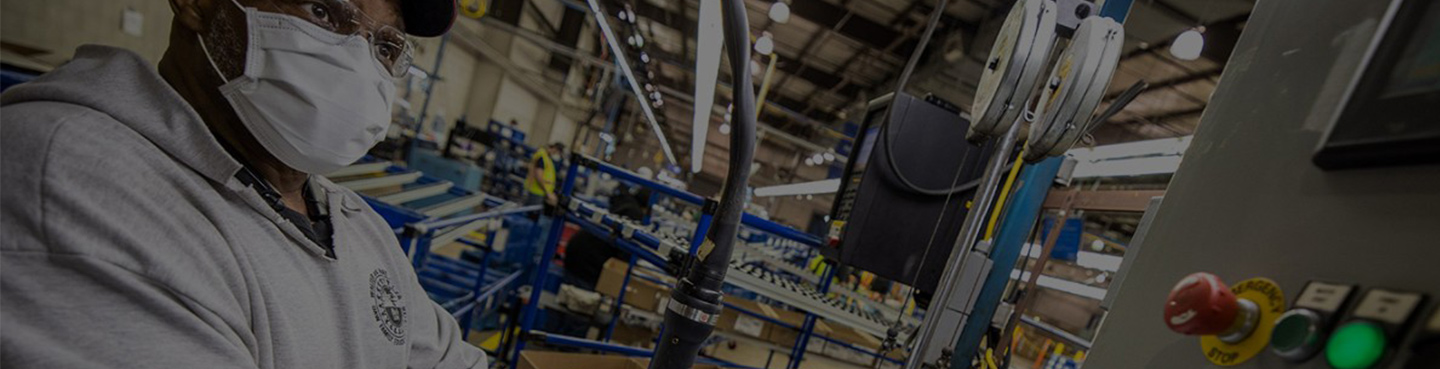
column 389, row 45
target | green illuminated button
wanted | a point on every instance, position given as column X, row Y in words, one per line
column 1356, row 345
column 1297, row 335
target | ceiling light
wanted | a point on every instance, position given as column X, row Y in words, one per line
column 710, row 40
column 809, row 197
column 780, row 12
column 755, row 67
column 805, row 188
column 1188, row 45
column 809, row 161
column 724, row 128
column 829, row 157
column 644, row 58
column 765, row 45
column 817, row 158
column 621, row 15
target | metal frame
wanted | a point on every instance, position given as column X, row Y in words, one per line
column 563, row 340
column 379, row 182
column 652, row 249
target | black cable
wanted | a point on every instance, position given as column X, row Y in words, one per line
column 742, row 144
column 905, row 182
column 1120, row 102
column 695, row 302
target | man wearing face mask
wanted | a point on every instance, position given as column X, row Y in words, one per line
column 179, row 219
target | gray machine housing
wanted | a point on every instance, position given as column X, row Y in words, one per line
column 1247, row 201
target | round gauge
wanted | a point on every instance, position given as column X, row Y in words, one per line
column 1075, row 87
column 1016, row 61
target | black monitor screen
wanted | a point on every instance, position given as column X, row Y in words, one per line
column 1392, row 115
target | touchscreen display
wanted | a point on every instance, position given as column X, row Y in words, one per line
column 1417, row 70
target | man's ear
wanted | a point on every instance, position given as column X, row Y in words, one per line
column 188, row 13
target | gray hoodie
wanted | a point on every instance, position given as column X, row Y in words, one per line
column 128, row 242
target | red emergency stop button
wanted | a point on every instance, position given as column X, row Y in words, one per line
column 1201, row 304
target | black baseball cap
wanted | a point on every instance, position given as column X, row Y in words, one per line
column 428, row 18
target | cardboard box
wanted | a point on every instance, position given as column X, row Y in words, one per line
column 633, row 336
column 744, row 324
column 857, row 338
column 564, row 360
column 781, row 335
column 851, row 336
column 640, row 293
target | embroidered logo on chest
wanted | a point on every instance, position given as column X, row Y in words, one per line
column 389, row 306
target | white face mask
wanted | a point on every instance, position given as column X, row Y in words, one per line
column 314, row 99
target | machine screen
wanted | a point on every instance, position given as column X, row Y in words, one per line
column 1390, row 116
column 1418, row 69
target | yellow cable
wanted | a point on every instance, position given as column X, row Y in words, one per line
column 990, row 359
column 765, row 86
column 480, row 8
column 1004, row 193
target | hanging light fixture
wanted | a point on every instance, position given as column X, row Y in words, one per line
column 644, row 57
column 1188, row 45
column 780, row 12
column 765, row 44
column 725, row 128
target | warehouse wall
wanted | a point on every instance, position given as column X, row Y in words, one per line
column 57, row 27
column 451, row 92
column 469, row 84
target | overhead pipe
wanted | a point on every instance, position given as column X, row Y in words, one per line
column 624, row 62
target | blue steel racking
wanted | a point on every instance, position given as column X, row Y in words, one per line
column 643, row 246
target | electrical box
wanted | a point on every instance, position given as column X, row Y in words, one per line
column 881, row 226
column 1268, row 260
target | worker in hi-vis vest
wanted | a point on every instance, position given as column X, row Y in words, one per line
column 540, row 179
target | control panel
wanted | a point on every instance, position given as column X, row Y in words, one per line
column 1262, row 256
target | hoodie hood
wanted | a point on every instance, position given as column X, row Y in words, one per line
column 121, row 84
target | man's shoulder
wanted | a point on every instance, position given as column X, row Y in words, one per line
column 35, row 131
column 63, row 161
column 79, row 182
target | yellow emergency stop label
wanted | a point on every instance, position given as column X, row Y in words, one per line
column 1271, row 301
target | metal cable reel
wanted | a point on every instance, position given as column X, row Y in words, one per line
column 1016, row 62
column 1075, row 87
